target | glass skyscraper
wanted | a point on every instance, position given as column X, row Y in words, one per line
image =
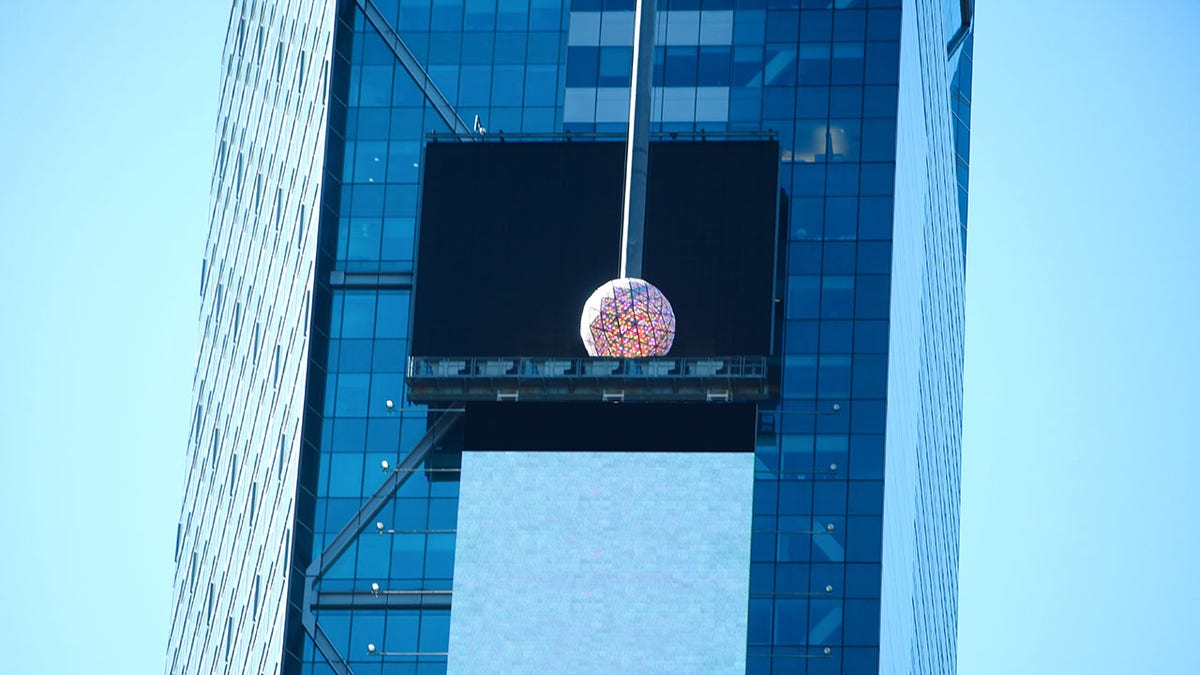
column 321, row 524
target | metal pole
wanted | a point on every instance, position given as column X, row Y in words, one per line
column 637, row 149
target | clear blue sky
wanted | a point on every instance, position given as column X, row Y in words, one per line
column 1081, row 447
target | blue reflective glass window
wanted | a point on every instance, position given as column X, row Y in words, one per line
column 475, row 86
column 860, row 659
column 345, row 475
column 477, row 48
column 883, row 24
column 435, row 630
column 385, row 387
column 791, row 578
column 513, row 16
column 845, row 101
column 816, row 25
column 875, row 218
column 510, row 48
column 439, row 556
column 351, row 395
column 878, row 140
column 811, row 102
column 862, row 580
column 831, row 449
column 807, row 216
column 375, row 88
column 795, row 540
column 760, row 621
column 869, row 417
column 839, row 258
column 354, row 356
column 583, row 66
column 349, row 433
column 408, row 556
column 714, row 66
column 616, row 64
column 447, row 15
column 410, row 515
column 813, row 64
column 778, row 67
column 870, row 375
column 370, row 123
column 766, row 495
column 864, row 539
column 508, row 88
column 783, row 26
column 874, row 257
column 880, row 101
column 480, row 15
column 680, row 66
column 849, row 25
column 840, row 218
column 397, row 240
column 803, row 297
column 363, row 238
column 541, row 85
column 779, row 103
column 829, row 496
column 866, row 456
column 368, row 201
column 401, row 200
column 804, row 258
column 871, row 337
column 825, row 574
column 795, row 497
column 861, row 623
column 837, row 296
column 445, row 49
column 358, row 314
column 382, row 434
column 402, row 629
column 872, row 295
column 414, row 16
column 791, row 621
column 866, row 498
column 800, row 337
column 878, row 178
column 545, row 15
column 796, row 454
column 374, row 555
column 883, row 62
column 825, row 619
column 762, row 546
column 392, row 318
column 847, row 65
column 841, row 179
column 799, row 376
column 836, row 337
column 809, row 180
column 833, row 380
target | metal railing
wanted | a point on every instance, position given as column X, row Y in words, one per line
column 526, row 367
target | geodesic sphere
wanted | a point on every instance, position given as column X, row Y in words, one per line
column 627, row 318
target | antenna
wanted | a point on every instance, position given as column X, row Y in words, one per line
column 637, row 146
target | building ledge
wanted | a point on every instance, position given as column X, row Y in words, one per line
column 712, row 379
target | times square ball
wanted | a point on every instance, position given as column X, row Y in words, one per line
column 627, row 318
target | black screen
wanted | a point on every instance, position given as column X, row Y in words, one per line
column 515, row 236
column 611, row 427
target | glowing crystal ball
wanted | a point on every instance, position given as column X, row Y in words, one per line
column 627, row 318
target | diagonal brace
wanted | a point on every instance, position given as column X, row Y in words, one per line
column 377, row 501
column 434, row 95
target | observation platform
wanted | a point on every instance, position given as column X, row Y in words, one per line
column 443, row 379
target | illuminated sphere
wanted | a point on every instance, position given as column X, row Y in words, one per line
column 627, row 318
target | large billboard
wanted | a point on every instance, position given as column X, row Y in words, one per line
column 609, row 562
column 514, row 237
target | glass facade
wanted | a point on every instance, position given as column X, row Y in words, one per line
column 298, row 549
column 233, row 542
